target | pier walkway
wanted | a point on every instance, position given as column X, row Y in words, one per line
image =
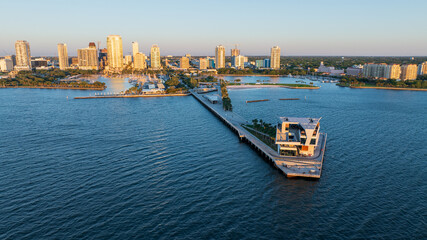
column 310, row 167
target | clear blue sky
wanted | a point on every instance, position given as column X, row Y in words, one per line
column 299, row 27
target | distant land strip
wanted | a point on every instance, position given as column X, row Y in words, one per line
column 393, row 88
column 137, row 96
column 47, row 87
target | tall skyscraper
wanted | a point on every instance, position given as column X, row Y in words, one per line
column 220, row 56
column 87, row 57
column 115, row 53
column 409, row 72
column 184, row 63
column 63, row 56
column 155, row 57
column 235, row 52
column 139, row 61
column 135, row 48
column 23, row 55
column 275, row 57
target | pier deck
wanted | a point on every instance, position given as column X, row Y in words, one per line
column 309, row 167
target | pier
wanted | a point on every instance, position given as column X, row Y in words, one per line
column 307, row 167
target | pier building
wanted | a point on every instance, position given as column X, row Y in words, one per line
column 297, row 136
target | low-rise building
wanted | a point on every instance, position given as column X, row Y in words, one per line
column 203, row 63
column 127, row 60
column 184, row 63
column 354, row 71
column 39, row 63
column 323, row 69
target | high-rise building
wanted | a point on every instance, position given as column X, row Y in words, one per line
column 211, row 62
column 220, row 56
column 155, row 57
column 88, row 59
column 235, row 52
column 267, row 63
column 139, row 61
column 409, row 72
column 63, row 56
column 275, row 57
column 203, row 63
column 128, row 60
column 184, row 63
column 238, row 61
column 115, row 53
column 135, row 48
column 23, row 55
column 371, row 70
column 6, row 65
column 188, row 56
column 422, row 68
column 102, row 58
column 393, row 71
column 381, row 71
column 259, row 63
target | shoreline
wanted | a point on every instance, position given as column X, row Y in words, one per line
column 137, row 96
column 62, row 88
column 391, row 88
column 267, row 86
column 250, row 75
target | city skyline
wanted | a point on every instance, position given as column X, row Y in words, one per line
column 330, row 28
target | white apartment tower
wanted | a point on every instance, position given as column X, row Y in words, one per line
column 23, row 55
column 275, row 57
column 115, row 52
column 220, row 57
column 63, row 56
column 135, row 48
column 155, row 57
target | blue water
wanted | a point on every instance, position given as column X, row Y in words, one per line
column 166, row 168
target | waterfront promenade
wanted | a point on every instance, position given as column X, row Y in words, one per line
column 309, row 167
